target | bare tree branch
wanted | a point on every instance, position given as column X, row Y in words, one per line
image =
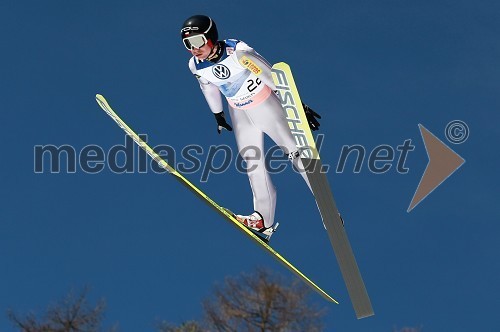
column 72, row 314
column 261, row 302
column 189, row 326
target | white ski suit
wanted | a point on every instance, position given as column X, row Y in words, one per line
column 244, row 77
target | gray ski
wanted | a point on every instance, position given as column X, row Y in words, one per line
column 332, row 220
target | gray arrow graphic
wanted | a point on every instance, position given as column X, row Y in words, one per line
column 443, row 162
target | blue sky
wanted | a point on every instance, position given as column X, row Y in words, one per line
column 373, row 70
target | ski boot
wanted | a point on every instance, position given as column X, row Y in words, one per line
column 255, row 222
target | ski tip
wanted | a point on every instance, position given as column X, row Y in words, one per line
column 281, row 64
column 101, row 101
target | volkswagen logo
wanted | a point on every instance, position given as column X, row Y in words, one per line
column 221, row 72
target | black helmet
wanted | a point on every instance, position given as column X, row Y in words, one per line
column 199, row 25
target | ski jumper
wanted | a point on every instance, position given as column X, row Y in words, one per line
column 244, row 77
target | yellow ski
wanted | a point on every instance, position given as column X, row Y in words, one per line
column 222, row 211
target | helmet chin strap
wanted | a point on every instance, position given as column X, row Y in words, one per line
column 214, row 52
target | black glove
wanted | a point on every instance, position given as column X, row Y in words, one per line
column 311, row 117
column 221, row 122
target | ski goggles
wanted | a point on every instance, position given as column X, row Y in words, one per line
column 195, row 41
